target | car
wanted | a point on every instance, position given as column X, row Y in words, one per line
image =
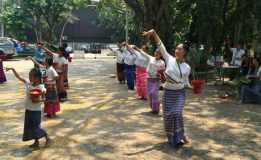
column 95, row 48
column 86, row 48
column 7, row 46
column 69, row 50
column 3, row 56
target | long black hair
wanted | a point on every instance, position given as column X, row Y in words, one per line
column 62, row 49
column 186, row 45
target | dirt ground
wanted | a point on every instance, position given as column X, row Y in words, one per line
column 103, row 120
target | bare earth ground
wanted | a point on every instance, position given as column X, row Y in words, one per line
column 102, row 120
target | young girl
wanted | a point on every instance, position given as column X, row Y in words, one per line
column 51, row 104
column 61, row 65
column 32, row 122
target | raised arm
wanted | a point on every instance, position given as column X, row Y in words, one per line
column 159, row 43
column 35, row 62
column 144, row 54
column 18, row 76
column 48, row 52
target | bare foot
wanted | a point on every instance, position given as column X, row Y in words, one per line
column 34, row 146
column 186, row 140
column 48, row 142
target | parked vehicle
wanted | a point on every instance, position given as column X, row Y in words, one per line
column 7, row 46
column 69, row 50
column 86, row 48
column 3, row 56
column 95, row 48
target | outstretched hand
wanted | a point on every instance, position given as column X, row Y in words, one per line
column 29, row 57
column 147, row 33
column 8, row 69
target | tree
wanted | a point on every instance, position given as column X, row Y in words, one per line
column 112, row 15
column 154, row 14
column 46, row 14
column 14, row 20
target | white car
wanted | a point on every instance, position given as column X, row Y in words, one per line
column 7, row 46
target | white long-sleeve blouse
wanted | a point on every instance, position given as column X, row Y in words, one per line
column 177, row 74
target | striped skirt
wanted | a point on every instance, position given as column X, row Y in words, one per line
column 173, row 103
column 52, row 104
column 32, row 126
column 141, row 80
column 2, row 73
column 60, row 86
column 153, row 85
column 129, row 72
column 120, row 72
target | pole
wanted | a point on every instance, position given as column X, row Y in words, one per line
column 2, row 23
column 127, row 25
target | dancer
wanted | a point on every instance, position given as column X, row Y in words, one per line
column 129, row 67
column 141, row 73
column 2, row 73
column 120, row 56
column 60, row 64
column 177, row 79
column 51, row 103
column 32, row 123
column 153, row 78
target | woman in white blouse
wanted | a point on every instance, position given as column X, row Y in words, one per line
column 129, row 67
column 177, row 79
column 60, row 64
column 120, row 56
column 141, row 72
column 153, row 78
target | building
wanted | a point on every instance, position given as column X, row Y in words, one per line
column 86, row 29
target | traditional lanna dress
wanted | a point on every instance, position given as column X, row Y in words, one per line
column 129, row 68
column 120, row 66
column 153, row 81
column 141, row 74
column 177, row 78
column 51, row 104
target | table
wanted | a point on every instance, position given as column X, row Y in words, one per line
column 222, row 71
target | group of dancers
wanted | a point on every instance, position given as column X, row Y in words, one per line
column 47, row 77
column 149, row 73
column 51, row 69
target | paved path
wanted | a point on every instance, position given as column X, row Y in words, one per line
column 102, row 120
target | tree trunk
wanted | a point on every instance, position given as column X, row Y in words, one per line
column 237, row 32
column 224, row 27
column 37, row 28
column 61, row 36
column 154, row 14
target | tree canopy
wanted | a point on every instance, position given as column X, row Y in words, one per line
column 205, row 22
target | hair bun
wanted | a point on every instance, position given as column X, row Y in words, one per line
column 187, row 43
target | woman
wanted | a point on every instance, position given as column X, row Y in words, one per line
column 120, row 66
column 141, row 73
column 129, row 67
column 153, row 78
column 252, row 94
column 60, row 64
column 2, row 73
column 177, row 79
